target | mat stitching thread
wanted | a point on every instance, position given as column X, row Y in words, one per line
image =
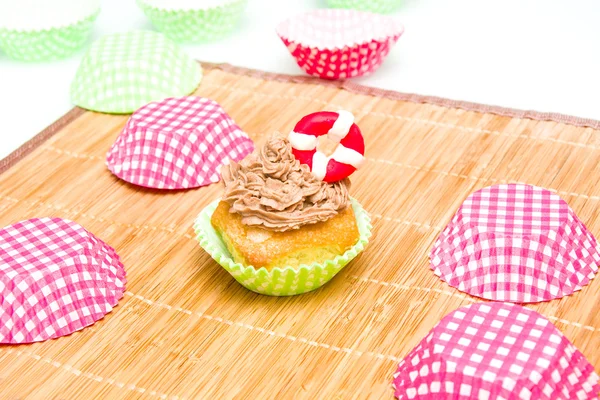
column 72, row 154
column 436, row 171
column 89, row 375
column 170, row 230
column 220, row 320
column 164, row 228
column 404, row 222
column 465, row 298
column 267, row 77
column 188, row 236
column 409, row 119
column 400, row 286
column 96, row 218
column 417, row 168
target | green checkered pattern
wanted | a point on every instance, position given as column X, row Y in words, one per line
column 194, row 26
column 377, row 6
column 47, row 44
column 124, row 71
column 279, row 282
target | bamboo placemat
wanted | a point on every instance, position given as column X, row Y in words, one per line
column 186, row 329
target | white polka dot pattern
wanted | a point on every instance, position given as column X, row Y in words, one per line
column 495, row 351
column 177, row 143
column 338, row 44
column 517, row 243
column 55, row 278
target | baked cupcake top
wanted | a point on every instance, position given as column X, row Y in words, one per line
column 270, row 188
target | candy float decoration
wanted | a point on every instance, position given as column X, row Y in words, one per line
column 338, row 126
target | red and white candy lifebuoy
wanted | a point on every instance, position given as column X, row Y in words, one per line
column 339, row 126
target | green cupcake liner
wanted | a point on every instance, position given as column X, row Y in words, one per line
column 47, row 44
column 124, row 71
column 376, row 6
column 279, row 282
column 194, row 26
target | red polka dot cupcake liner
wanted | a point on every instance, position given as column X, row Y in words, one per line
column 495, row 351
column 517, row 243
column 339, row 43
column 177, row 143
column 57, row 278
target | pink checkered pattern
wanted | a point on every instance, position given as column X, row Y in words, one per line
column 495, row 351
column 177, row 143
column 55, row 278
column 338, row 43
column 517, row 243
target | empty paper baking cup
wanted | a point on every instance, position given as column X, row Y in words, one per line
column 124, row 71
column 42, row 30
column 177, row 143
column 517, row 243
column 495, row 351
column 378, row 6
column 193, row 20
column 337, row 43
column 55, row 278
column 277, row 281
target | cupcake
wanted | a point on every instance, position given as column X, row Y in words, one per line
column 42, row 30
column 276, row 213
column 283, row 227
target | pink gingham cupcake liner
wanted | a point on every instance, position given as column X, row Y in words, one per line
column 517, row 243
column 177, row 143
column 339, row 43
column 56, row 278
column 495, row 351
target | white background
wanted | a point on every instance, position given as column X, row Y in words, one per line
column 530, row 54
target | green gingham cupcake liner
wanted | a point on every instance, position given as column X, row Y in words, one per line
column 195, row 25
column 46, row 44
column 377, row 6
column 125, row 71
column 279, row 282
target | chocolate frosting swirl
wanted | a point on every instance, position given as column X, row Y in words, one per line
column 270, row 188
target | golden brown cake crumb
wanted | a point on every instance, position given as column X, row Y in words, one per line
column 260, row 247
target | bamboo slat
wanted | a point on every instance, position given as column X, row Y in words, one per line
column 186, row 329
